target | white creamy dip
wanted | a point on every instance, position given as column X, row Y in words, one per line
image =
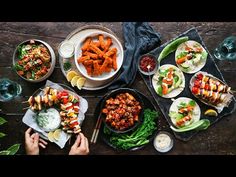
column 49, row 120
column 163, row 142
column 66, row 49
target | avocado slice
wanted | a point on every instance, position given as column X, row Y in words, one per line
column 179, row 82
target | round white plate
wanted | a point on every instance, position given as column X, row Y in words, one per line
column 176, row 103
column 115, row 44
column 75, row 36
column 174, row 92
column 181, row 48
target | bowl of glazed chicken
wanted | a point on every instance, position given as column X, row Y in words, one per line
column 34, row 60
column 122, row 110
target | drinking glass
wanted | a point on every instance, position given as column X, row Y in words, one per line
column 9, row 89
column 227, row 49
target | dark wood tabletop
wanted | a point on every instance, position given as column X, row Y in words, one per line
column 219, row 138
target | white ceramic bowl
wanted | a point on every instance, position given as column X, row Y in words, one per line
column 115, row 43
column 51, row 52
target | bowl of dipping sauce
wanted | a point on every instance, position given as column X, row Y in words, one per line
column 145, row 61
column 66, row 49
column 163, row 142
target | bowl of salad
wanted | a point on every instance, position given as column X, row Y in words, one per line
column 34, row 60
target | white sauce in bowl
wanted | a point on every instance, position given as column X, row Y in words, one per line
column 66, row 49
column 49, row 120
column 163, row 142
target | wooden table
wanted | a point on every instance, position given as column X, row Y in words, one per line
column 218, row 139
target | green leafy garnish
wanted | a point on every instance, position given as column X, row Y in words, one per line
column 18, row 67
column 67, row 66
column 182, row 105
column 32, row 75
column 176, row 115
column 2, row 134
column 204, row 54
column 2, row 121
column 159, row 90
column 22, row 52
column 163, row 73
column 182, row 54
column 192, row 103
column 13, row 149
column 5, row 152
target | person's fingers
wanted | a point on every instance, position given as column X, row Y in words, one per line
column 36, row 139
column 77, row 141
column 33, row 135
column 83, row 140
column 27, row 133
column 42, row 145
column 87, row 145
column 44, row 142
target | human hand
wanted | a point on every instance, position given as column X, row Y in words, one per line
column 80, row 147
column 32, row 143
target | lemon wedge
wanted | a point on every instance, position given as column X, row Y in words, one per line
column 70, row 75
column 51, row 137
column 211, row 112
column 57, row 134
column 80, row 82
column 74, row 80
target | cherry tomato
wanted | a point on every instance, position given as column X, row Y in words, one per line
column 197, row 83
column 65, row 100
column 195, row 90
column 200, row 76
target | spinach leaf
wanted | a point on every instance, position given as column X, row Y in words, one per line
column 2, row 121
column 18, row 67
column 13, row 149
column 2, row 134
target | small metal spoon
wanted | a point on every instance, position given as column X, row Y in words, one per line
column 148, row 67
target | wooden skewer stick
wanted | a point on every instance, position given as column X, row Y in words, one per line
column 24, row 102
column 233, row 91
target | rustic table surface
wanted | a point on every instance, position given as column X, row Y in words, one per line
column 218, row 139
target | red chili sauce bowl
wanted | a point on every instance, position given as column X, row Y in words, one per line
column 146, row 60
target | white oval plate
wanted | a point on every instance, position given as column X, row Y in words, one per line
column 220, row 106
column 181, row 49
column 174, row 92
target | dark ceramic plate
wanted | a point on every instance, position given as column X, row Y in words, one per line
column 106, row 138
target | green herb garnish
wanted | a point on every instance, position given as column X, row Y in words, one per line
column 67, row 66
